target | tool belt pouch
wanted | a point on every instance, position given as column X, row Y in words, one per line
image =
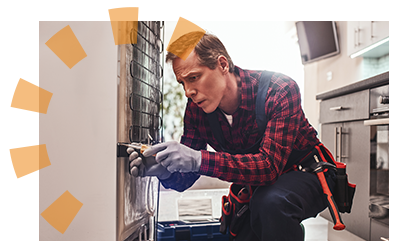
column 235, row 211
column 344, row 191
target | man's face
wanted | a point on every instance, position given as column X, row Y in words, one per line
column 203, row 85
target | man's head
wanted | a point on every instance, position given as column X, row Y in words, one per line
column 206, row 74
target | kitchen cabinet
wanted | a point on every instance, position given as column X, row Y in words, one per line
column 342, row 115
column 354, row 106
column 361, row 34
column 349, row 143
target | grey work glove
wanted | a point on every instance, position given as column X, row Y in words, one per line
column 175, row 157
column 146, row 167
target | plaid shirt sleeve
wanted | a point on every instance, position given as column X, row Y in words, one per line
column 284, row 113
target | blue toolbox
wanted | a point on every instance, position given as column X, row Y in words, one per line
column 190, row 231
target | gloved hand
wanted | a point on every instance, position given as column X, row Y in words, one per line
column 175, row 157
column 146, row 167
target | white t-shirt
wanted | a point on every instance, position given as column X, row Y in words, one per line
column 228, row 117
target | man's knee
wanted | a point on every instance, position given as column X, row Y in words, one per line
column 274, row 203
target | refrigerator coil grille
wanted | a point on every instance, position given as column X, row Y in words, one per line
column 146, row 73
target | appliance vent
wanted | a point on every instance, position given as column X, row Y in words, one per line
column 146, row 71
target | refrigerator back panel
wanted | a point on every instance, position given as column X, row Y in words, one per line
column 139, row 118
column 146, row 73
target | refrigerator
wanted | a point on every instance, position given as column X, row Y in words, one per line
column 110, row 94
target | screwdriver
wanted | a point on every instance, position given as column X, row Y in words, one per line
column 138, row 146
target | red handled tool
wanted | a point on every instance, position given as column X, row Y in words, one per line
column 244, row 194
column 337, row 220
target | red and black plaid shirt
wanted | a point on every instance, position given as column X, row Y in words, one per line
column 286, row 129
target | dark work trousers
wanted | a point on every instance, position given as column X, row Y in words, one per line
column 277, row 210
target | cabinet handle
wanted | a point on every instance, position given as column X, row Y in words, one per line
column 337, row 151
column 335, row 144
column 340, row 145
column 355, row 37
column 372, row 30
column 338, row 108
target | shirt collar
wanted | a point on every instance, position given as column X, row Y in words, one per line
column 247, row 84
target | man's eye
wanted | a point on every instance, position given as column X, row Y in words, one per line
column 193, row 78
column 183, row 84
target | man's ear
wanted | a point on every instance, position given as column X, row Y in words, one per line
column 223, row 64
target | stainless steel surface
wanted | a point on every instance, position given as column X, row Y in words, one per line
column 375, row 122
column 379, row 100
column 139, row 115
column 379, row 182
column 379, row 165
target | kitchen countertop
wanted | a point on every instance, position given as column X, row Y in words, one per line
column 368, row 83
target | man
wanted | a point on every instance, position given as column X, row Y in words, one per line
column 281, row 197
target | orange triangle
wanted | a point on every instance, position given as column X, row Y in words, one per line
column 185, row 46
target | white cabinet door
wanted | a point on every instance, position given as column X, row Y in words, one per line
column 364, row 34
column 379, row 30
column 353, row 30
column 361, row 34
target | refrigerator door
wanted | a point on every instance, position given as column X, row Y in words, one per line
column 139, row 118
column 79, row 131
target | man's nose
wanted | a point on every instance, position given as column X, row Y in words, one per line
column 190, row 92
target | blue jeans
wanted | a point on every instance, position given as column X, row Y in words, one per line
column 276, row 211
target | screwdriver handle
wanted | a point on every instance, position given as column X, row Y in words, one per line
column 337, row 220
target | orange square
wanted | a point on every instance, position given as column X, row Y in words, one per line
column 66, row 46
column 124, row 14
column 31, row 97
column 124, row 23
column 61, row 213
column 125, row 32
column 27, row 160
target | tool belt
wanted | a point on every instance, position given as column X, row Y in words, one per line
column 235, row 207
column 235, row 210
column 343, row 192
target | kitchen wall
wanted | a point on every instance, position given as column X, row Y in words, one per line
column 375, row 66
